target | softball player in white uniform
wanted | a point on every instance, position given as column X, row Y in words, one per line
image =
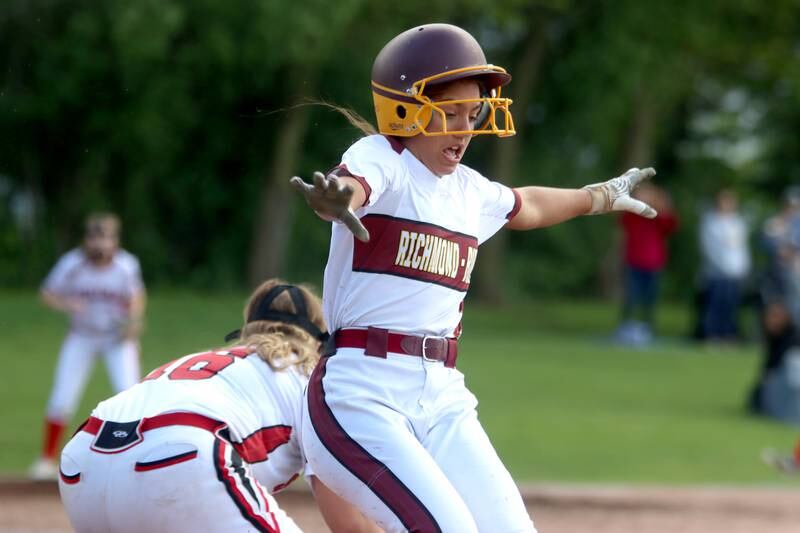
column 388, row 423
column 100, row 287
column 203, row 441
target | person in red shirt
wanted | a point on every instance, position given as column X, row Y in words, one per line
column 645, row 249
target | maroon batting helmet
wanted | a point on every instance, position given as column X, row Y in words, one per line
column 428, row 55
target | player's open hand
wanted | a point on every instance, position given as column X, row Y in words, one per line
column 331, row 199
column 615, row 194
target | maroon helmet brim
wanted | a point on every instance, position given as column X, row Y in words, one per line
column 491, row 79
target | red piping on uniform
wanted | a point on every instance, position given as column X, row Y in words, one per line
column 239, row 498
column 168, row 461
column 282, row 486
column 411, row 512
column 69, row 480
column 258, row 445
column 93, row 424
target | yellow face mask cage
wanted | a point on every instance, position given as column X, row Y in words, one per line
column 489, row 126
column 392, row 122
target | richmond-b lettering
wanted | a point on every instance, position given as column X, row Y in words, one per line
column 416, row 250
column 434, row 255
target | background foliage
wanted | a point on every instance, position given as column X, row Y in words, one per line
column 559, row 401
column 180, row 116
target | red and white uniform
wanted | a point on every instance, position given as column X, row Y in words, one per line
column 105, row 293
column 198, row 445
column 398, row 435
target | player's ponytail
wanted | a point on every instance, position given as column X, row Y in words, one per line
column 356, row 120
column 283, row 343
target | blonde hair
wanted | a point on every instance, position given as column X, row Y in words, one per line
column 355, row 120
column 281, row 344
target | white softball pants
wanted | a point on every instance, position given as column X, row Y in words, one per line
column 178, row 479
column 75, row 362
column 400, row 439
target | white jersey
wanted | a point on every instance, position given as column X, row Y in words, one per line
column 105, row 291
column 260, row 406
column 425, row 230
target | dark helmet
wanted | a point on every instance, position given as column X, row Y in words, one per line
column 430, row 55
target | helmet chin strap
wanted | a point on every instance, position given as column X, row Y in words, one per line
column 262, row 311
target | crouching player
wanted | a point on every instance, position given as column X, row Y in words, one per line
column 203, row 441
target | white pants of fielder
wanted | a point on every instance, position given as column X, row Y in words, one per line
column 75, row 362
column 177, row 479
column 399, row 438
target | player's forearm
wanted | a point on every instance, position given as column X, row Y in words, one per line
column 137, row 305
column 55, row 301
column 359, row 197
column 133, row 326
column 547, row 206
column 340, row 515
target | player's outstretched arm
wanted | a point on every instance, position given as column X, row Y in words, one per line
column 334, row 197
column 545, row 206
column 58, row 302
column 339, row 514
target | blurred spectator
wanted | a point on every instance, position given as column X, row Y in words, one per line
column 725, row 256
column 779, row 293
column 645, row 249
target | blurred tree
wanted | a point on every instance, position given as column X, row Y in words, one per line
column 179, row 116
column 489, row 285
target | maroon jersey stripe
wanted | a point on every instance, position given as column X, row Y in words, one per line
column 416, row 250
column 372, row 472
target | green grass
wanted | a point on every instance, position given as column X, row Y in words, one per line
column 559, row 401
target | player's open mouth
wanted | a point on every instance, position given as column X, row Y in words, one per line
column 453, row 153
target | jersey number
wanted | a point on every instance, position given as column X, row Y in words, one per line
column 201, row 366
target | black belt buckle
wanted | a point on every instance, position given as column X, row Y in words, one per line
column 115, row 437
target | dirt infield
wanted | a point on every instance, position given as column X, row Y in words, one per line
column 35, row 507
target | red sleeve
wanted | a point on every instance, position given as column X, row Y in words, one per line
column 626, row 219
column 667, row 221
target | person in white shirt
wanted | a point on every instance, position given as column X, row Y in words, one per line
column 725, row 254
column 99, row 286
column 388, row 423
column 204, row 441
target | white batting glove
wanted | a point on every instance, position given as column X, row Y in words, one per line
column 615, row 194
column 330, row 198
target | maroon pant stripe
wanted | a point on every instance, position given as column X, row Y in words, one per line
column 414, row 516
